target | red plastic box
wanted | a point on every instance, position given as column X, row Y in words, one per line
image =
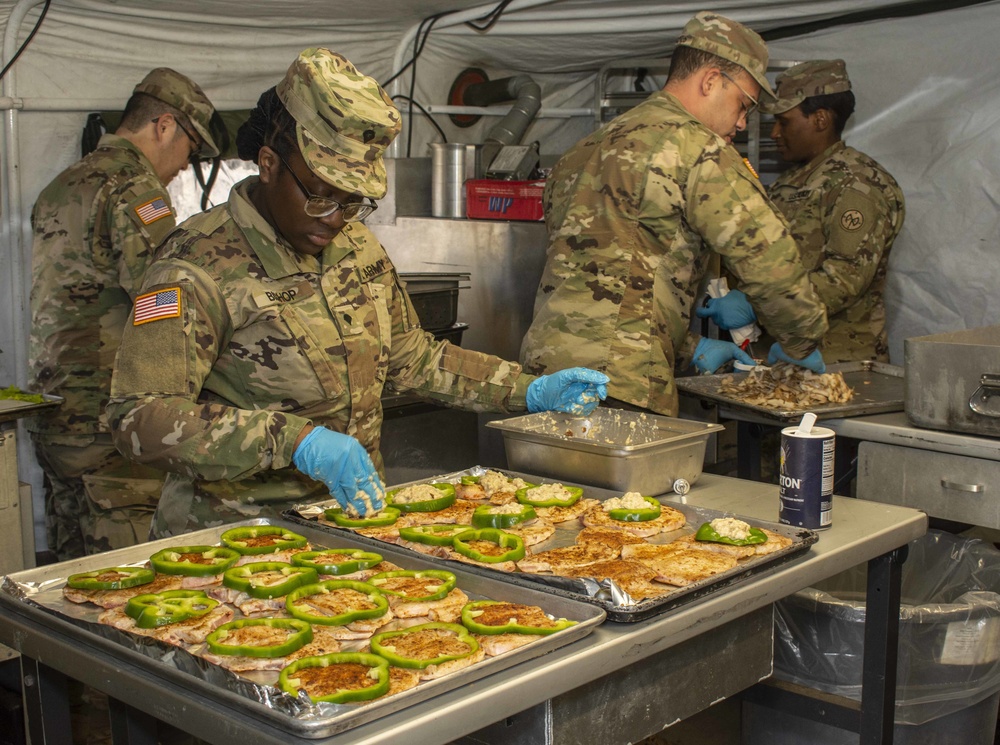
column 490, row 199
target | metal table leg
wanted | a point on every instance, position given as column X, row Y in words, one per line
column 878, row 677
column 46, row 704
column 129, row 726
column 748, row 450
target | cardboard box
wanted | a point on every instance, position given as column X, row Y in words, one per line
column 489, row 199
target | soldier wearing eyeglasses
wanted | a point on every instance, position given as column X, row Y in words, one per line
column 95, row 227
column 268, row 328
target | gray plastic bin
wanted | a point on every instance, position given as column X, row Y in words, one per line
column 948, row 672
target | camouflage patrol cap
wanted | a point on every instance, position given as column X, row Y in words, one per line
column 819, row 77
column 186, row 96
column 730, row 40
column 344, row 121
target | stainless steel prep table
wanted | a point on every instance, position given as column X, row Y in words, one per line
column 654, row 652
column 953, row 476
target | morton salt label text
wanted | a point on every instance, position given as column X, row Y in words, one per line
column 806, row 478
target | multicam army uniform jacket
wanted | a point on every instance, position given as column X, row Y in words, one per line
column 95, row 227
column 634, row 213
column 845, row 211
column 264, row 340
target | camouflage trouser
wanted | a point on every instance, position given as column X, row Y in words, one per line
column 95, row 499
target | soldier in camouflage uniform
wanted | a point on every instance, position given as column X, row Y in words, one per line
column 95, row 226
column 635, row 213
column 268, row 327
column 844, row 209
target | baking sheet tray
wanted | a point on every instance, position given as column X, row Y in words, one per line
column 604, row 594
column 38, row 593
column 11, row 408
column 878, row 389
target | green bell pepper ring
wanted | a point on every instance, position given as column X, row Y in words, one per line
column 524, row 497
column 447, row 579
column 337, row 560
column 296, row 602
column 513, row 544
column 194, row 561
column 387, row 516
column 447, row 499
column 153, row 610
column 252, row 578
column 289, row 683
column 471, row 610
column 707, row 533
column 433, row 535
column 382, row 645
column 468, row 480
column 485, row 516
column 112, row 578
column 262, row 539
column 639, row 515
column 300, row 634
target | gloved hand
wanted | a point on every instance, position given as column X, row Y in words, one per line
column 813, row 362
column 731, row 311
column 711, row 354
column 575, row 390
column 340, row 462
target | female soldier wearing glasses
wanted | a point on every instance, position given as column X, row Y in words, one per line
column 268, row 327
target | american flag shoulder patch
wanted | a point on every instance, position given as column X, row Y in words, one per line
column 153, row 210
column 155, row 306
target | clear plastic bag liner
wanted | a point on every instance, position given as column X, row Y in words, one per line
column 949, row 630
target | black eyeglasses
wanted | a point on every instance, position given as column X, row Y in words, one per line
column 194, row 140
column 754, row 103
column 316, row 206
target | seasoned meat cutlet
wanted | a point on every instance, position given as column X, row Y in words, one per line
column 116, row 598
column 608, row 536
column 191, row 631
column 561, row 560
column 630, row 575
column 675, row 565
column 669, row 519
column 565, row 514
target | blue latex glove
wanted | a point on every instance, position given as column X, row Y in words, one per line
column 731, row 311
column 711, row 354
column 575, row 390
column 813, row 362
column 340, row 462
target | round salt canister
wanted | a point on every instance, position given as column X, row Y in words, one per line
column 806, row 476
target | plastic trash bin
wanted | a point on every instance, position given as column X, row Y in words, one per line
column 948, row 671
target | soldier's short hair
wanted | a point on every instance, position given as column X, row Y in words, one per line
column 840, row 105
column 143, row 108
column 686, row 61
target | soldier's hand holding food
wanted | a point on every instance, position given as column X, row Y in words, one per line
column 814, row 361
column 340, row 462
column 575, row 390
column 731, row 311
column 711, row 354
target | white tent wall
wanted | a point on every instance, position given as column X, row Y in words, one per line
column 927, row 89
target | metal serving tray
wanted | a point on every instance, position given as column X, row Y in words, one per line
column 611, row 448
column 11, row 408
column 604, row 594
column 37, row 594
column 878, row 389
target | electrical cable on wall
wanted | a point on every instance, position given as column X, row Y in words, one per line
column 425, row 112
column 27, row 41
column 419, row 40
